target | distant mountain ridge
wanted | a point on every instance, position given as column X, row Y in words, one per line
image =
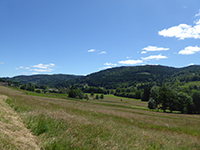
column 49, row 80
column 124, row 76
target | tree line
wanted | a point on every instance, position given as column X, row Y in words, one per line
column 165, row 98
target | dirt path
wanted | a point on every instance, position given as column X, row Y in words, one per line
column 13, row 133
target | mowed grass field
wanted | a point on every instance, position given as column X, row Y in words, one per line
column 102, row 124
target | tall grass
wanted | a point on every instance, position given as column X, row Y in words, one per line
column 103, row 124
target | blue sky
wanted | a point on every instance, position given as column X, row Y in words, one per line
column 81, row 37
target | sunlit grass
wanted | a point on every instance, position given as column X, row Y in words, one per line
column 103, row 124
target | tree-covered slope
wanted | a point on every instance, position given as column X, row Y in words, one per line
column 118, row 77
column 112, row 78
column 49, row 80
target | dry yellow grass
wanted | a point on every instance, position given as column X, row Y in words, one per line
column 14, row 134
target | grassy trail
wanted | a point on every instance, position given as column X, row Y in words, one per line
column 13, row 133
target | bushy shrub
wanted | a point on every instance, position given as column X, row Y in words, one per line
column 38, row 91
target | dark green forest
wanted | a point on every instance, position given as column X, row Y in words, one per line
column 119, row 77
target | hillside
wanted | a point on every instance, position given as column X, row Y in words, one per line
column 49, row 80
column 131, row 76
column 117, row 77
column 127, row 76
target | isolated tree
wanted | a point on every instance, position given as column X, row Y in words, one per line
column 97, row 96
column 92, row 94
column 101, row 96
column 38, row 91
column 31, row 87
column 75, row 93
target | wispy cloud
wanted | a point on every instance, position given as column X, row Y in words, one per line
column 157, row 57
column 106, row 67
column 103, row 52
column 39, row 68
column 153, row 48
column 197, row 21
column 131, row 62
column 182, row 31
column 91, row 50
column 1, row 63
column 189, row 50
column 21, row 67
column 43, row 66
column 109, row 64
column 198, row 14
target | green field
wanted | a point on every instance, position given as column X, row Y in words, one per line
column 191, row 83
column 63, row 123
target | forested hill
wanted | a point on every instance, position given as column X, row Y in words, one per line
column 117, row 77
column 128, row 76
column 132, row 75
column 49, row 80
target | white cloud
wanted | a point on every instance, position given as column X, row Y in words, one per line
column 109, row 64
column 157, row 57
column 154, row 48
column 191, row 64
column 1, row 63
column 107, row 67
column 42, row 66
column 35, row 73
column 197, row 14
column 189, row 50
column 103, row 52
column 21, row 67
column 182, row 31
column 39, row 67
column 91, row 50
column 143, row 52
column 131, row 62
column 197, row 21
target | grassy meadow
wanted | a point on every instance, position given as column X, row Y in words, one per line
column 112, row 123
